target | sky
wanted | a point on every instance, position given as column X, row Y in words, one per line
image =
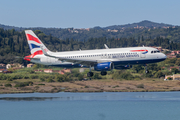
column 87, row 13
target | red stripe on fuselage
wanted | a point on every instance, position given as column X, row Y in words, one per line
column 138, row 50
column 30, row 37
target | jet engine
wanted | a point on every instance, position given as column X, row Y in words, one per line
column 105, row 66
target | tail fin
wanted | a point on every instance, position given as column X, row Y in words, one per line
column 34, row 43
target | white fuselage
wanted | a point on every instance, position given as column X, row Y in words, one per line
column 118, row 56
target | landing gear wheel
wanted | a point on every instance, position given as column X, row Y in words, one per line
column 146, row 71
column 90, row 74
column 103, row 73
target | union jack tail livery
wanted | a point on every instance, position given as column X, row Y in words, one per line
column 34, row 43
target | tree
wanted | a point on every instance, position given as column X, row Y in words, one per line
column 137, row 68
column 96, row 76
column 159, row 74
column 60, row 78
column 80, row 77
column 178, row 61
column 174, row 70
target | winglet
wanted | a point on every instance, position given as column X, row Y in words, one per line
column 106, row 46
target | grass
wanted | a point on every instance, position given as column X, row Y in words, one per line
column 116, row 85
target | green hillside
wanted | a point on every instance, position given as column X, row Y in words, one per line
column 14, row 43
column 146, row 28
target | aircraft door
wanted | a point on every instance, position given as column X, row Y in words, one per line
column 104, row 55
column 143, row 54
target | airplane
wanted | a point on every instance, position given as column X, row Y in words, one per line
column 102, row 60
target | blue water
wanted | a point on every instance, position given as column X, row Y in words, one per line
column 91, row 106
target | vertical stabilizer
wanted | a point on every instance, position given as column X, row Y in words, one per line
column 34, row 43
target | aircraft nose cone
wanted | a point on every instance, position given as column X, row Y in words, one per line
column 164, row 56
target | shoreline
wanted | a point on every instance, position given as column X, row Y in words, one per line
column 145, row 85
column 85, row 92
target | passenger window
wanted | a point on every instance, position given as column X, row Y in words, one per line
column 158, row 51
column 154, row 51
column 151, row 51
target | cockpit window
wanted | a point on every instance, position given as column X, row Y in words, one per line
column 157, row 51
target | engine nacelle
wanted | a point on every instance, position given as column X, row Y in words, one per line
column 123, row 67
column 105, row 66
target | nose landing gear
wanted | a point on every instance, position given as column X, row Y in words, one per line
column 146, row 71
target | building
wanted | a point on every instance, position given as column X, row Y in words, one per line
column 48, row 71
column 2, row 66
column 177, row 67
column 81, row 70
column 5, row 72
column 176, row 77
column 172, row 77
column 175, row 52
column 38, row 70
column 30, row 65
column 61, row 72
column 67, row 70
column 159, row 48
column 2, row 70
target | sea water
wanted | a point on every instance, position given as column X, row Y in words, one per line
column 91, row 106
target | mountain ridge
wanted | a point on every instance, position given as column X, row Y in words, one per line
column 144, row 23
column 144, row 28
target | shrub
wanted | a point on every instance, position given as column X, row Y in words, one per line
column 63, row 78
column 80, row 77
column 86, row 87
column 9, row 78
column 127, row 76
column 20, row 85
column 8, row 85
column 50, row 80
column 42, row 78
column 159, row 74
column 23, row 84
column 96, row 76
column 25, row 77
column 140, row 86
column 60, row 78
column 136, row 77
column 41, row 84
column 3, row 77
column 34, row 76
column 28, row 83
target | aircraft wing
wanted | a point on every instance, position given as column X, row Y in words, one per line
column 75, row 61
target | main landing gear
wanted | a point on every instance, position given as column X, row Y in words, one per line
column 90, row 74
